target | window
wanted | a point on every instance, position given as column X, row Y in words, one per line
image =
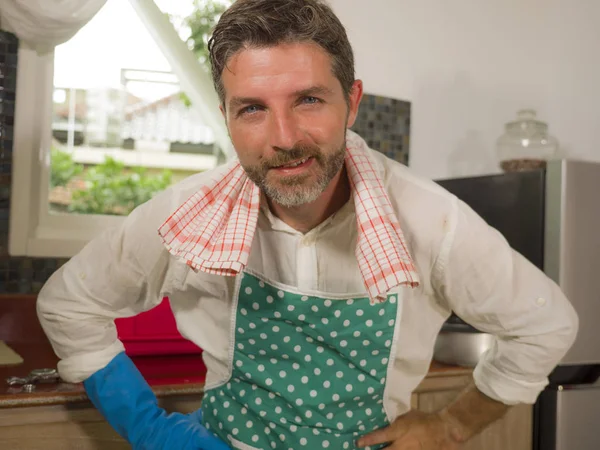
column 113, row 116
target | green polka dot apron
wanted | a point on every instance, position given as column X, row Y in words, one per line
column 306, row 371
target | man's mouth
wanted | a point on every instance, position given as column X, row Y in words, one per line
column 294, row 163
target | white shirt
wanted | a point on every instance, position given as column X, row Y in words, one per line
column 464, row 266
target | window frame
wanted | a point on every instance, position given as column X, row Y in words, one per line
column 33, row 230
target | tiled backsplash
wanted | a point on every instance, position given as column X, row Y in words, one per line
column 383, row 122
column 17, row 275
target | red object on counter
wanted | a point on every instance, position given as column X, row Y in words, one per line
column 168, row 370
column 154, row 333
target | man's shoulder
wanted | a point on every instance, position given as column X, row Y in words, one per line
column 423, row 208
column 401, row 181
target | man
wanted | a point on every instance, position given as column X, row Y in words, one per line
column 314, row 272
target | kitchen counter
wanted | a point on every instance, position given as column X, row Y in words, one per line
column 21, row 331
column 167, row 375
column 438, row 369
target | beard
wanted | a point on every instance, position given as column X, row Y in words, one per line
column 295, row 190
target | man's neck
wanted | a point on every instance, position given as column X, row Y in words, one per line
column 306, row 217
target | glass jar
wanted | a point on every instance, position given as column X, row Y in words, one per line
column 526, row 144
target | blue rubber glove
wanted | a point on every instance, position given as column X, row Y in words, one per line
column 122, row 395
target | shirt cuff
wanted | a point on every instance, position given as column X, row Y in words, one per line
column 78, row 368
column 503, row 388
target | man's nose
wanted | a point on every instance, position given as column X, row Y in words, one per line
column 284, row 131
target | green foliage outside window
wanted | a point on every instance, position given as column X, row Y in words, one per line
column 110, row 187
column 113, row 189
column 201, row 23
column 63, row 168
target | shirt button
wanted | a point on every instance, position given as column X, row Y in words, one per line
column 307, row 242
column 540, row 301
column 82, row 275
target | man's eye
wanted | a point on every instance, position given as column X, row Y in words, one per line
column 250, row 109
column 310, row 100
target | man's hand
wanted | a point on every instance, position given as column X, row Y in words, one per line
column 416, row 431
column 470, row 413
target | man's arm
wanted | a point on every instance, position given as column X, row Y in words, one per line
column 118, row 274
column 470, row 413
column 496, row 290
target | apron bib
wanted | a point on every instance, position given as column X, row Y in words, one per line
column 307, row 371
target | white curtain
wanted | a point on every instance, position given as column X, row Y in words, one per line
column 44, row 24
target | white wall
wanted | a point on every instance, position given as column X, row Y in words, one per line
column 467, row 66
column 573, row 76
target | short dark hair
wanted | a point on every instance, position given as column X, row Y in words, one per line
column 267, row 23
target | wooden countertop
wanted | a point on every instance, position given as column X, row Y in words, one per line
column 175, row 378
column 438, row 369
column 167, row 375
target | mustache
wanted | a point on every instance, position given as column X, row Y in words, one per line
column 294, row 154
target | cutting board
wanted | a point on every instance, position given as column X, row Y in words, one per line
column 8, row 357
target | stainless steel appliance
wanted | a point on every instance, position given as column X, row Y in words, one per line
column 552, row 217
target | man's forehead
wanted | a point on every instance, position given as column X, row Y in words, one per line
column 283, row 54
column 286, row 69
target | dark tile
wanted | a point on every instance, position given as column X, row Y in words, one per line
column 11, row 59
column 11, row 287
column 17, row 275
column 384, row 123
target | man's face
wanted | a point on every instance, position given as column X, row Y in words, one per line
column 287, row 117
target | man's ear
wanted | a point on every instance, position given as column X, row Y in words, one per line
column 356, row 94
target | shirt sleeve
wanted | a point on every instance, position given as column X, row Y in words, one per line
column 118, row 274
column 496, row 290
